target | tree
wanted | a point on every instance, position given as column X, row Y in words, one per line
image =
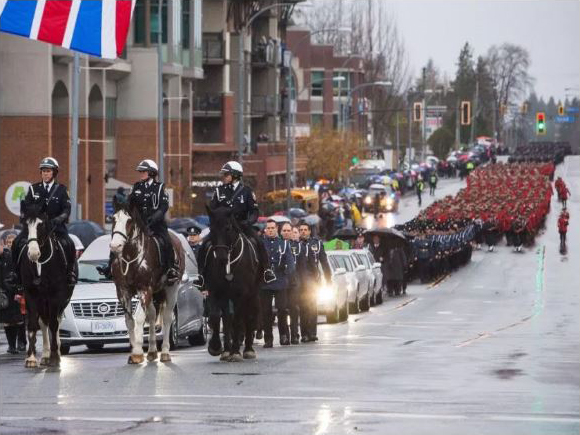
column 441, row 142
column 508, row 66
column 329, row 153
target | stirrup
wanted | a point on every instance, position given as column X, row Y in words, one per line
column 198, row 280
column 271, row 274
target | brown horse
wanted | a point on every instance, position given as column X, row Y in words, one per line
column 138, row 272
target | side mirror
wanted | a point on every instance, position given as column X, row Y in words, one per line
column 185, row 278
column 360, row 267
column 376, row 264
column 340, row 271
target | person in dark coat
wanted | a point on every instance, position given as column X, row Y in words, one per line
column 294, row 282
column 280, row 256
column 11, row 316
column 395, row 263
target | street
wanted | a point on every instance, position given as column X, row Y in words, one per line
column 492, row 349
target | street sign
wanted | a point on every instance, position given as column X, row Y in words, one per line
column 562, row 119
column 15, row 193
column 572, row 109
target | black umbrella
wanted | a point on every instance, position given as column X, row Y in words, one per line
column 345, row 234
column 391, row 236
column 86, row 230
column 297, row 213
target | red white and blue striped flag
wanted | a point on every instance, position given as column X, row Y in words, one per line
column 95, row 27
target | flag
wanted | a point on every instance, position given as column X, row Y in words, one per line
column 95, row 27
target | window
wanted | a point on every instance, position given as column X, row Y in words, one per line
column 110, row 117
column 316, row 120
column 342, row 85
column 316, row 83
column 155, row 21
column 185, row 12
column 139, row 19
column 335, row 121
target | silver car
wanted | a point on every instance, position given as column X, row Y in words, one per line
column 358, row 290
column 374, row 274
column 332, row 298
column 95, row 317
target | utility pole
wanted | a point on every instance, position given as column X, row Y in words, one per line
column 493, row 122
column 457, row 122
column 74, row 155
column 474, row 113
column 424, row 123
column 160, row 132
column 410, row 144
column 241, row 91
column 398, row 152
column 289, row 125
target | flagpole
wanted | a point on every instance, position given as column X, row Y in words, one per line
column 73, row 164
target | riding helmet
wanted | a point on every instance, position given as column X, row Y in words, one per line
column 49, row 163
column 233, row 168
column 148, row 165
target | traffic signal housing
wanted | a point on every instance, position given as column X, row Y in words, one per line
column 561, row 110
column 465, row 113
column 540, row 123
column 418, row 112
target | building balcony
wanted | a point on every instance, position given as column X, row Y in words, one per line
column 213, row 51
column 208, row 105
column 263, row 55
column 265, row 105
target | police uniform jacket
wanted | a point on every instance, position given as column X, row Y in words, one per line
column 152, row 202
column 298, row 258
column 56, row 200
column 314, row 257
column 241, row 199
column 281, row 260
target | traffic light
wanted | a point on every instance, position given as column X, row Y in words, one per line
column 561, row 110
column 418, row 112
column 540, row 123
column 465, row 113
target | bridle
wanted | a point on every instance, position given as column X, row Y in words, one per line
column 125, row 264
column 229, row 249
column 40, row 245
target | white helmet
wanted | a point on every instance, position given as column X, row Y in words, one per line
column 148, row 165
column 233, row 168
column 48, row 163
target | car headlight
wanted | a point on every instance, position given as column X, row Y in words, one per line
column 326, row 294
column 390, row 202
column 367, row 200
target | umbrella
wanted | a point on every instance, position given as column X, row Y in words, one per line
column 312, row 219
column 336, row 198
column 279, row 219
column 86, row 231
column 203, row 220
column 180, row 225
column 390, row 235
column 297, row 213
column 345, row 234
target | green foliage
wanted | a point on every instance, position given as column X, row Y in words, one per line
column 441, row 142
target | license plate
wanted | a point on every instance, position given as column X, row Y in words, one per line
column 102, row 326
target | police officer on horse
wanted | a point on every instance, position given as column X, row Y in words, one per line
column 233, row 194
column 149, row 197
column 54, row 197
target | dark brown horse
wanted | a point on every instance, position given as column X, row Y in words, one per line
column 138, row 272
column 233, row 275
column 43, row 273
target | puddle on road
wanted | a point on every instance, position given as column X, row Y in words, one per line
column 507, row 373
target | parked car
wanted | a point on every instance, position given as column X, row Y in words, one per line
column 332, row 298
column 374, row 274
column 365, row 272
column 95, row 317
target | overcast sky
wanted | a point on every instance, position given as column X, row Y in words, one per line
column 548, row 29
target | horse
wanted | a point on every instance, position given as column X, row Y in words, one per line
column 137, row 272
column 43, row 273
column 233, row 276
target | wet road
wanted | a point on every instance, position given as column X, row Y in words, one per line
column 492, row 349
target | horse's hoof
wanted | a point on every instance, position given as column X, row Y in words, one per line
column 215, row 352
column 235, row 357
column 44, row 361
column 165, row 358
column 54, row 362
column 30, row 364
column 135, row 359
column 225, row 356
column 152, row 356
column 249, row 354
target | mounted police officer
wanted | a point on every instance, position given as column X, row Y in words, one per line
column 149, row 197
column 232, row 193
column 313, row 256
column 57, row 207
column 280, row 257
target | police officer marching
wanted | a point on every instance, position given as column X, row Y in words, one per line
column 294, row 284
column 313, row 255
column 55, row 196
column 280, row 257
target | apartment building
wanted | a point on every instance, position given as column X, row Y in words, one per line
column 118, row 108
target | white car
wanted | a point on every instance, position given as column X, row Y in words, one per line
column 95, row 317
column 359, row 287
column 332, row 298
column 375, row 276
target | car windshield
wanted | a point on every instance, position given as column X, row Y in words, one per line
column 88, row 271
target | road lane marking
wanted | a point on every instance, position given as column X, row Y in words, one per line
column 470, row 416
column 207, row 396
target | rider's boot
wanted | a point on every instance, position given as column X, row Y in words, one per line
column 172, row 271
column 106, row 270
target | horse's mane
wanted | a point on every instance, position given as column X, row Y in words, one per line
column 131, row 209
column 222, row 214
column 32, row 210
